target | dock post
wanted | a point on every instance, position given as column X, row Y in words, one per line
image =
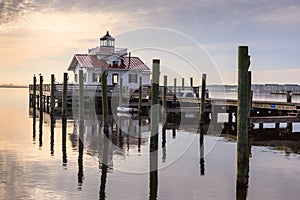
column 191, row 82
column 52, row 99
column 174, row 96
column 182, row 83
column 104, row 101
column 242, row 115
column 153, row 157
column 203, row 91
column 64, row 96
column 289, row 96
column 164, row 99
column 155, row 108
column 140, row 95
column 120, row 92
column 41, row 93
column 34, row 93
column 289, row 100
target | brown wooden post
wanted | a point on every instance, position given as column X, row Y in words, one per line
column 121, row 92
column 140, row 95
column 155, row 106
column 41, row 93
column 242, row 115
column 203, row 89
column 191, row 82
column 104, row 100
column 52, row 98
column 64, row 95
column 174, row 96
column 182, row 83
column 34, row 93
column 153, row 157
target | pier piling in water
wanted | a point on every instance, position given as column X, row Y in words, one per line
column 52, row 98
column 104, row 100
column 155, row 106
column 64, row 96
column 140, row 94
column 243, row 115
column 203, row 91
column 120, row 92
column 41, row 94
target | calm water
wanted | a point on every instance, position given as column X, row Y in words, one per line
column 41, row 168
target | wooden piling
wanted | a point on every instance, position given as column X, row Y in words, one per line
column 34, row 94
column 191, row 82
column 64, row 95
column 81, row 128
column 81, row 97
column 202, row 106
column 104, row 100
column 41, row 93
column 140, row 95
column 34, row 107
column 242, row 114
column 164, row 99
column 153, row 157
column 52, row 98
column 120, row 92
column 174, row 96
column 182, row 83
column 155, row 108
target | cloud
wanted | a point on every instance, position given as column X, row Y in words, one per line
column 10, row 10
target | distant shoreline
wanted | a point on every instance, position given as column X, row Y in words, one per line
column 13, row 86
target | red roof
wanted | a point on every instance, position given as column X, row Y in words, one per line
column 135, row 63
column 91, row 61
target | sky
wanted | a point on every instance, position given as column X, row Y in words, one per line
column 190, row 37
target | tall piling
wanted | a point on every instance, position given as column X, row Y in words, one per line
column 242, row 115
column 140, row 95
column 182, row 83
column 41, row 94
column 121, row 92
column 174, row 96
column 202, row 106
column 154, row 131
column 64, row 96
column 104, row 100
column 34, row 94
column 155, row 105
column 52, row 98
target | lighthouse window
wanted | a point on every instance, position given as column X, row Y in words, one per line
column 115, row 79
column 132, row 78
column 95, row 77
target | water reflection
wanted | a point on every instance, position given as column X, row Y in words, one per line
column 131, row 131
column 64, row 142
column 52, row 124
column 41, row 129
column 80, row 153
column 242, row 189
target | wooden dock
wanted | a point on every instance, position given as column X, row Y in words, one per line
column 261, row 111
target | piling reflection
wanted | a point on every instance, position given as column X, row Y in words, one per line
column 241, row 189
column 52, row 135
column 201, row 149
column 34, row 125
column 41, row 129
column 80, row 153
column 64, row 142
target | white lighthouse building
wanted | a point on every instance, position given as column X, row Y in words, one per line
column 118, row 62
